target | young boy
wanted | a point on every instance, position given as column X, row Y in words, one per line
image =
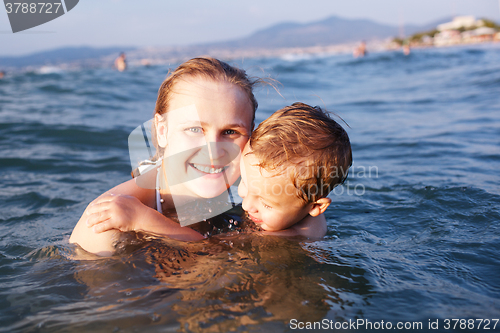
column 289, row 166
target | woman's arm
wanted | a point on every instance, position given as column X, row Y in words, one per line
column 126, row 207
column 127, row 213
column 101, row 244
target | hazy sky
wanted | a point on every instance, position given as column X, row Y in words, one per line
column 174, row 22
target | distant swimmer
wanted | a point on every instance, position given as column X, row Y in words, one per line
column 406, row 49
column 121, row 62
column 360, row 51
column 2, row 74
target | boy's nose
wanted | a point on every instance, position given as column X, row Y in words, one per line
column 248, row 206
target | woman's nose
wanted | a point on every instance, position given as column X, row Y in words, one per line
column 216, row 147
column 216, row 150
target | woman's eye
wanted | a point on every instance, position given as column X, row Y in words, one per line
column 230, row 132
column 195, row 130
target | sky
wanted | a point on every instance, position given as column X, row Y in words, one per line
column 106, row 23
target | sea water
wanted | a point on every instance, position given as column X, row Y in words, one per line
column 413, row 235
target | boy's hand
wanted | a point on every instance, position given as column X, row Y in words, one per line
column 114, row 211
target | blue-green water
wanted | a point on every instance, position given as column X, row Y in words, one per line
column 413, row 235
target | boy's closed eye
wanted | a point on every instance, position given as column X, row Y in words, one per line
column 265, row 205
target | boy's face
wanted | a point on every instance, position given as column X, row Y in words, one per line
column 270, row 200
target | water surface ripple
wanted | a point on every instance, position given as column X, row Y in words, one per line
column 413, row 234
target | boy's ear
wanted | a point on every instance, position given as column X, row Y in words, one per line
column 319, row 206
column 161, row 130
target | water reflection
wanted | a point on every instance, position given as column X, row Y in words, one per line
column 221, row 284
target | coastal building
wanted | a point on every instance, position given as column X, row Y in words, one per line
column 447, row 37
column 461, row 22
column 462, row 30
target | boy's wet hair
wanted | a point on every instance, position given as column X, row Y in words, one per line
column 306, row 144
column 208, row 68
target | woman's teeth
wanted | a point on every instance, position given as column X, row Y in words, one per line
column 207, row 169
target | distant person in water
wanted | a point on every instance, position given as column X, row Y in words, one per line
column 2, row 74
column 360, row 51
column 406, row 49
column 121, row 62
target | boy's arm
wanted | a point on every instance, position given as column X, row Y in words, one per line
column 309, row 226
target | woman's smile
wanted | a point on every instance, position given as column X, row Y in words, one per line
column 207, row 169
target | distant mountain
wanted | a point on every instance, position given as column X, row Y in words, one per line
column 60, row 55
column 330, row 31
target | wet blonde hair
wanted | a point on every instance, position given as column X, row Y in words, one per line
column 306, row 144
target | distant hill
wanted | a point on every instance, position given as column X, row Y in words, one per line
column 60, row 55
column 330, row 31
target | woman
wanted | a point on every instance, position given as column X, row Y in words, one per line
column 205, row 108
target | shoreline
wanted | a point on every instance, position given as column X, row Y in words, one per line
column 165, row 56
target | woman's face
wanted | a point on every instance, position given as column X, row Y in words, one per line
column 203, row 133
